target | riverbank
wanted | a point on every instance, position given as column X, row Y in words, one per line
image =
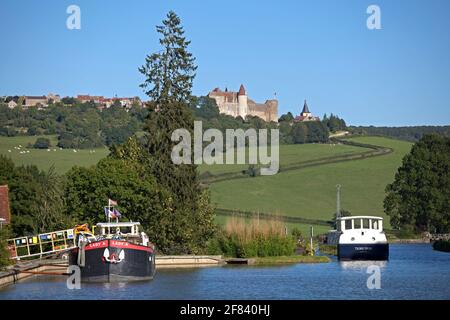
column 408, row 241
column 290, row 260
column 26, row 270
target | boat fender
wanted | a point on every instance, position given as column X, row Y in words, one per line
column 81, row 254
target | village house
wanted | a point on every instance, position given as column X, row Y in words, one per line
column 35, row 101
column 53, row 98
column 86, row 98
column 32, row 101
column 103, row 102
column 12, row 104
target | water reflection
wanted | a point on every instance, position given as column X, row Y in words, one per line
column 360, row 265
column 413, row 272
column 115, row 285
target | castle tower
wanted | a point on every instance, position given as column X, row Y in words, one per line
column 242, row 102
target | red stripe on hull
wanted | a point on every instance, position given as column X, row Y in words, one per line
column 97, row 245
column 116, row 244
column 127, row 245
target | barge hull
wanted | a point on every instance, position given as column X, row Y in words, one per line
column 361, row 251
column 114, row 261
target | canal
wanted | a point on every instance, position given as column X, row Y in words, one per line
column 414, row 271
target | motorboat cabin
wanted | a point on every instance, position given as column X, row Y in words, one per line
column 360, row 238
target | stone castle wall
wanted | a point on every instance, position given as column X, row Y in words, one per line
column 230, row 103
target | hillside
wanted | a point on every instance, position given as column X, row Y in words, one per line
column 305, row 193
column 311, row 193
column 62, row 160
column 289, row 155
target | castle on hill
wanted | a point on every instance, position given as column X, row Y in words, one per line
column 239, row 104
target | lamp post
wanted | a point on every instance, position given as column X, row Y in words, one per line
column 338, row 201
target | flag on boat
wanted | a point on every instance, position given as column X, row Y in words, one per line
column 116, row 213
column 112, row 202
column 109, row 213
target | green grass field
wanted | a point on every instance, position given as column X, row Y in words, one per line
column 62, row 160
column 290, row 154
column 311, row 192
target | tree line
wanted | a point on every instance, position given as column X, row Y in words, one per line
column 412, row 133
column 78, row 125
column 82, row 125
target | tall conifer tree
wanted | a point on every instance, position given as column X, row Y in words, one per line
column 169, row 75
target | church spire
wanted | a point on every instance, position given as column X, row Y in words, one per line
column 305, row 108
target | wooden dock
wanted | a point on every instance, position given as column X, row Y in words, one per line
column 188, row 261
column 26, row 269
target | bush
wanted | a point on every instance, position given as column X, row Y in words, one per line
column 297, row 234
column 42, row 143
column 258, row 238
column 252, row 171
column 4, row 253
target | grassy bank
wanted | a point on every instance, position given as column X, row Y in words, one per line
column 290, row 259
column 328, row 249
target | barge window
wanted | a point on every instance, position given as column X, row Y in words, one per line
column 348, row 224
column 357, row 224
column 366, row 224
column 375, row 224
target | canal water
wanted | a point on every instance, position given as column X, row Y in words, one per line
column 414, row 271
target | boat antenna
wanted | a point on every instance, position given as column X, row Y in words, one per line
column 338, row 201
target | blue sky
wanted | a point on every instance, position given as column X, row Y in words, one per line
column 321, row 51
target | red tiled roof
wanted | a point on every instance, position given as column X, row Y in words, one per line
column 5, row 212
column 36, row 97
column 88, row 97
column 302, row 118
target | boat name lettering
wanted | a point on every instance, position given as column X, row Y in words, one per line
column 97, row 244
column 119, row 243
column 363, row 248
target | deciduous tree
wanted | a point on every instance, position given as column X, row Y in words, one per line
column 419, row 197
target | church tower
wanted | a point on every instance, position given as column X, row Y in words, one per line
column 242, row 102
column 305, row 112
